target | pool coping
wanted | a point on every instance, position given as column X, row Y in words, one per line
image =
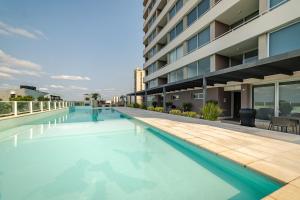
column 266, row 163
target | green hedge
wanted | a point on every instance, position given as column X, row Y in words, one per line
column 189, row 114
column 175, row 112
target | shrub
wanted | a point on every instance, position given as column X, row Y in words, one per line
column 211, row 111
column 159, row 109
column 187, row 107
column 151, row 108
column 136, row 105
column 22, row 98
column 143, row 106
column 169, row 104
column 175, row 112
column 154, row 104
column 41, row 98
column 189, row 114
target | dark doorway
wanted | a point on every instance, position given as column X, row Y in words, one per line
column 236, row 105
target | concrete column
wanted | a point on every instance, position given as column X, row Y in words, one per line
column 59, row 105
column 164, row 99
column 263, row 46
column 30, row 107
column 146, row 96
column 204, row 86
column 41, row 106
column 246, row 96
column 55, row 105
column 15, row 108
column 263, row 6
column 49, row 105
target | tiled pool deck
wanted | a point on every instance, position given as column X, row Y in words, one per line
column 272, row 153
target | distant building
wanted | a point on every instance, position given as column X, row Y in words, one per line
column 115, row 99
column 139, row 84
column 6, row 94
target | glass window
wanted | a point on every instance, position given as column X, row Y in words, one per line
column 192, row 16
column 172, row 12
column 251, row 56
column 203, row 7
column 179, row 28
column 172, row 33
column 172, row 76
column 204, row 37
column 179, row 5
column 264, row 101
column 179, row 52
column 173, row 56
column 192, row 44
column 204, row 66
column 289, row 99
column 274, row 2
column 179, row 75
column 192, row 70
column 285, row 40
column 198, row 95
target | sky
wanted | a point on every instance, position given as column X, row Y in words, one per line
column 71, row 47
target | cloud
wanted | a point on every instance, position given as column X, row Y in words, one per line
column 6, row 29
column 8, row 60
column 69, row 77
column 57, row 86
column 5, row 75
column 14, row 66
column 43, row 89
column 73, row 87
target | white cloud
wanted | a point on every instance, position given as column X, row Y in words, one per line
column 5, row 75
column 57, row 86
column 73, row 87
column 6, row 29
column 8, row 60
column 69, row 77
column 14, row 66
column 43, row 89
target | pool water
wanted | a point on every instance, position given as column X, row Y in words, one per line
column 101, row 154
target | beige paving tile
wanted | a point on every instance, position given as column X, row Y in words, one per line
column 213, row 147
column 273, row 170
column 268, row 198
column 276, row 158
column 238, row 157
column 296, row 182
column 253, row 152
column 196, row 141
column 288, row 192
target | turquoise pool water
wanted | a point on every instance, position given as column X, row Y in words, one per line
column 100, row 154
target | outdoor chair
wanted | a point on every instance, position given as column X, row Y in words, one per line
column 283, row 123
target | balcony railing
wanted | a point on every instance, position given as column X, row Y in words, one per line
column 15, row 108
column 225, row 33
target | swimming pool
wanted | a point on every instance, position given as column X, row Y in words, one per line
column 102, row 154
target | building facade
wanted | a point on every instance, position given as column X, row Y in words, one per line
column 139, row 84
column 240, row 53
column 6, row 94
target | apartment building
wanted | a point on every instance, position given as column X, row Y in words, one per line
column 240, row 53
column 139, row 84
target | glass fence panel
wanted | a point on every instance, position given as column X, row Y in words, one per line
column 36, row 106
column 45, row 105
column 52, row 105
column 6, row 108
column 23, row 107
